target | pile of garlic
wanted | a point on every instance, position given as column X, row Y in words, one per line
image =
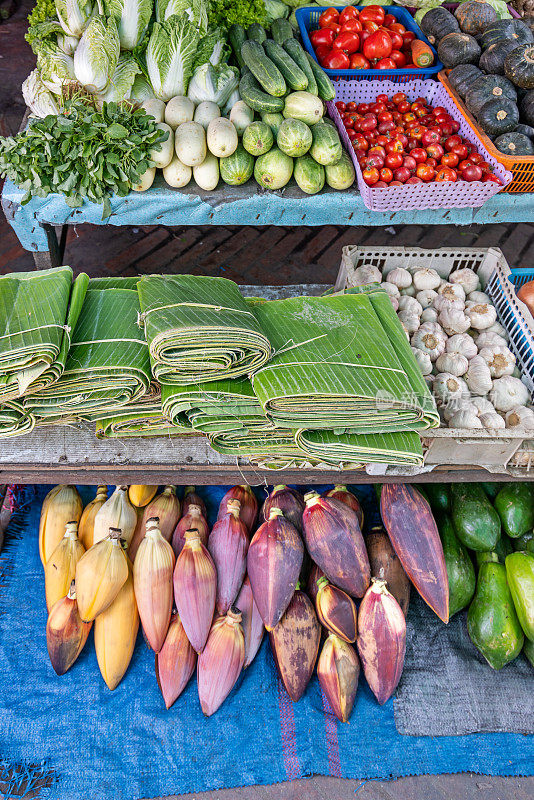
column 460, row 346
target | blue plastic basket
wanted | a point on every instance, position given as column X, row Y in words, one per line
column 514, row 315
column 308, row 20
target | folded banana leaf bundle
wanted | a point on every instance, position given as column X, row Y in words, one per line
column 15, row 420
column 400, row 447
column 141, row 418
column 199, row 329
column 108, row 365
column 38, row 311
column 335, row 366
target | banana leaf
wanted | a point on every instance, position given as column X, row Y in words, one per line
column 400, row 447
column 149, row 422
column 199, row 329
column 15, row 420
column 108, row 364
column 335, row 367
column 113, row 282
column 38, row 311
column 272, row 444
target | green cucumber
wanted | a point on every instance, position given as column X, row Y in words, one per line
column 237, row 168
column 520, row 575
column 502, row 549
column 460, row 570
column 256, row 33
column 264, row 70
column 475, row 521
column 308, row 174
column 258, row 138
column 492, row 621
column 298, row 54
column 515, row 506
column 256, row 98
column 236, row 37
column 294, row 138
column 439, row 497
column 341, row 176
column 294, row 76
column 325, row 87
column 281, row 30
column 273, row 120
column 326, row 147
column 525, row 542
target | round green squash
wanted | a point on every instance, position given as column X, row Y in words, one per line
column 437, row 23
column 506, row 29
column 498, row 116
column 474, row 17
column 462, row 77
column 237, row 168
column 519, row 66
column 526, row 107
column 458, row 48
column 489, row 87
column 514, row 144
column 493, row 58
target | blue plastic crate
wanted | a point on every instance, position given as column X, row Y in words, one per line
column 308, row 19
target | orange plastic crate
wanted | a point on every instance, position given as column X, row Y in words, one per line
column 522, row 167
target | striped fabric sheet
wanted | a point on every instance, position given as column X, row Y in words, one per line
column 199, row 329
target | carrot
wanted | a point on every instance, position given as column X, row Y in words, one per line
column 422, row 54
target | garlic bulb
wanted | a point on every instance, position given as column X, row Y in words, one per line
column 410, row 305
column 457, row 404
column 500, row 360
column 448, row 387
column 479, row 297
column 423, row 360
column 453, row 320
column 426, row 279
column 426, row 297
column 430, row 338
column 478, row 376
column 466, row 278
column 508, row 392
column 481, row 315
column 441, row 302
column 465, row 419
column 499, row 329
column 394, row 303
column 409, row 290
column 429, row 315
column 492, row 421
column 400, row 277
column 452, row 291
column 454, row 363
column 483, row 405
column 490, row 339
column 429, row 380
column 520, row 417
column 462, row 343
column 410, row 321
column 391, row 289
column 367, row 274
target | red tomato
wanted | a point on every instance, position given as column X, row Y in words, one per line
column 321, row 51
column 352, row 25
column 347, row 41
column 374, row 160
column 396, row 40
column 364, row 35
column 371, row 176
column 403, row 107
column 336, row 59
column 400, row 97
column 360, row 141
column 371, row 27
column 402, row 174
column 358, row 61
column 349, row 12
column 385, row 116
column 324, row 36
column 409, row 117
column 374, row 13
column 380, row 185
column 352, row 106
column 352, row 134
column 397, row 116
column 360, row 154
column 490, row 177
column 408, row 37
column 348, row 121
column 403, row 139
column 420, row 113
column 330, row 15
column 419, row 154
column 412, row 142
column 395, row 146
column 418, row 131
column 378, row 45
column 385, row 127
column 461, row 150
column 410, row 163
column 463, row 164
column 333, row 27
column 432, row 162
column 363, row 108
column 484, row 166
column 395, row 183
column 386, row 63
column 435, row 151
column 475, row 158
column 446, row 129
column 377, row 149
column 414, row 179
column 383, row 139
column 456, row 126
column 451, row 142
column 399, row 58
column 389, row 19
column 396, row 26
column 393, row 160
column 446, row 174
column 450, row 160
column 382, row 98
column 426, row 172
column 341, row 106
column 386, row 174
column 430, row 136
column 472, row 173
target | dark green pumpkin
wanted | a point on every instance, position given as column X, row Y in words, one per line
column 526, row 130
column 519, row 66
column 437, row 23
column 498, row 116
column 506, row 29
column 528, row 20
column 489, row 87
column 514, row 144
column 458, row 48
column 493, row 58
column 462, row 77
column 474, row 17
column 526, row 107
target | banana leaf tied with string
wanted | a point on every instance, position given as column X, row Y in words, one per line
column 38, row 311
column 108, row 364
column 345, row 449
column 336, row 366
column 15, row 420
column 199, row 329
column 141, row 418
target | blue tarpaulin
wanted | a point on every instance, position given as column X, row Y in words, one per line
column 98, row 744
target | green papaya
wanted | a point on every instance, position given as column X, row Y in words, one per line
column 492, row 489
column 460, row 570
column 525, row 542
column 492, row 621
column 515, row 507
column 528, row 651
column 438, row 495
column 502, row 549
column 476, row 523
column 520, row 575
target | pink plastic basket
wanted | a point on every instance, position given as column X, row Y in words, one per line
column 462, row 194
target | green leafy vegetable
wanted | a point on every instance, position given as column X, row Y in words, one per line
column 97, row 54
column 242, row 12
column 83, row 153
column 170, row 56
column 132, row 18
